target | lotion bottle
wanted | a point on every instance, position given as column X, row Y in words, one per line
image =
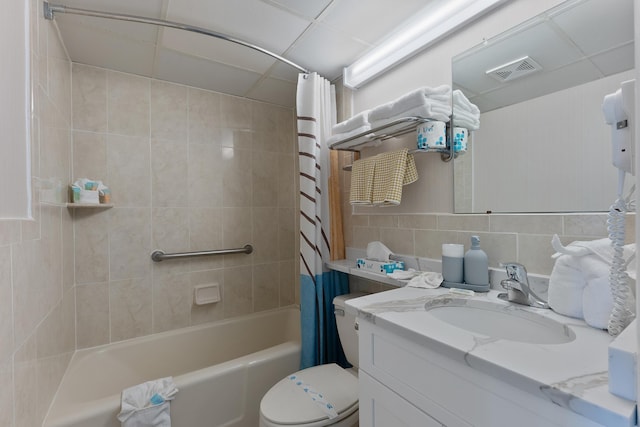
column 476, row 265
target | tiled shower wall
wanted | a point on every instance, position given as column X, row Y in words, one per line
column 37, row 335
column 188, row 170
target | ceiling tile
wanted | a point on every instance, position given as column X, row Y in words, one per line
column 131, row 30
column 615, row 60
column 381, row 17
column 309, row 8
column 216, row 50
column 595, row 25
column 275, row 91
column 251, row 20
column 108, row 50
column 179, row 68
column 329, row 50
column 284, row 71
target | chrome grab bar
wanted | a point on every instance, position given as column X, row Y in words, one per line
column 159, row 255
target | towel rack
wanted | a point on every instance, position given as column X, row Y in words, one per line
column 159, row 255
column 390, row 130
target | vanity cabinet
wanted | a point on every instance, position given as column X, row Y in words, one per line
column 405, row 383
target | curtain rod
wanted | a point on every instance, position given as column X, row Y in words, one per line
column 50, row 9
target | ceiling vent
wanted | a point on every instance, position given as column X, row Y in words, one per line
column 514, row 69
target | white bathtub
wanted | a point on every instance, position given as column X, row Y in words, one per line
column 221, row 369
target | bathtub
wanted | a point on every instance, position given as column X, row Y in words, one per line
column 222, row 370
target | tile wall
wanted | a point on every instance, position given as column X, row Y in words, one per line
column 37, row 330
column 525, row 238
column 189, row 170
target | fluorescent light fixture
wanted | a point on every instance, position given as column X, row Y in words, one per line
column 427, row 26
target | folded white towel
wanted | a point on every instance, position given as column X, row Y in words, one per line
column 461, row 102
column 465, row 120
column 437, row 112
column 597, row 302
column 566, row 286
column 440, row 96
column 340, row 136
column 147, row 404
column 355, row 122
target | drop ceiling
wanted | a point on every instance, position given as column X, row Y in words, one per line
column 320, row 35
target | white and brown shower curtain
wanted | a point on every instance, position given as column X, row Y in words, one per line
column 318, row 286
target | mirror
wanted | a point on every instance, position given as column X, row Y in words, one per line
column 543, row 144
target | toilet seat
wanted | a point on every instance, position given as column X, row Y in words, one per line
column 286, row 403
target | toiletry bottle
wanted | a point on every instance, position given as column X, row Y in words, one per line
column 476, row 264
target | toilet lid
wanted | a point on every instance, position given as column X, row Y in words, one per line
column 288, row 403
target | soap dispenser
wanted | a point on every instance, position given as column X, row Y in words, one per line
column 476, row 265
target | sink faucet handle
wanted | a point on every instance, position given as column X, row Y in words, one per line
column 515, row 271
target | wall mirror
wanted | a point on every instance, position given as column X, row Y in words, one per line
column 543, row 144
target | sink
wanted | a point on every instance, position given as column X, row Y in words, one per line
column 503, row 321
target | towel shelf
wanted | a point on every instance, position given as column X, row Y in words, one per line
column 392, row 129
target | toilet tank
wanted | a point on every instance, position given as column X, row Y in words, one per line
column 346, row 327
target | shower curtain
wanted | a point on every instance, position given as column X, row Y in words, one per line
column 318, row 286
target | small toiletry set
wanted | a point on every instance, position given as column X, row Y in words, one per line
column 468, row 270
column 90, row 192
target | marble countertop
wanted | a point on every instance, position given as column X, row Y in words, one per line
column 573, row 375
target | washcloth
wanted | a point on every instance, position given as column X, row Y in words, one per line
column 362, row 171
column 426, row 280
column 355, row 122
column 393, row 169
column 439, row 97
column 147, row 404
column 403, row 274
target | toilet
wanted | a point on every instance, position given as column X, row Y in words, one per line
column 290, row 402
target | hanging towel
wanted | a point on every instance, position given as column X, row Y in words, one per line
column 392, row 170
column 147, row 404
column 362, row 172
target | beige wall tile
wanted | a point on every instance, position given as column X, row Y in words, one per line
column 363, row 235
column 534, row 251
column 530, row 224
column 128, row 104
column 237, row 188
column 129, row 175
column 400, row 241
column 170, row 229
column 172, row 300
column 266, row 286
column 585, row 225
column 92, row 246
column 383, row 220
column 237, row 231
column 25, row 376
column 6, row 393
column 130, row 308
column 264, row 169
column 429, row 242
column 236, row 113
column 500, row 247
column 287, row 234
column 168, row 115
column 205, row 175
column 89, row 98
column 129, row 243
column 238, row 291
column 90, row 156
column 265, row 235
column 423, row 222
column 92, row 315
column 288, row 282
column 286, row 181
column 169, row 174
column 6, row 310
column 463, row 222
column 203, row 116
column 205, row 233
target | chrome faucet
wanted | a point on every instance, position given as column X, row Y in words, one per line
column 517, row 286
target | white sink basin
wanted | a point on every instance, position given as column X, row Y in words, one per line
column 495, row 320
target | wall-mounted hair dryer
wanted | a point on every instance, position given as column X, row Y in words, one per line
column 619, row 112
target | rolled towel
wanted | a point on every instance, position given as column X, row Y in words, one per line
column 426, row 95
column 597, row 303
column 355, row 122
column 566, row 286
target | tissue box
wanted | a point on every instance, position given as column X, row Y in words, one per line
column 383, row 267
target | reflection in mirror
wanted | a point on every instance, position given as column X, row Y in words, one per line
column 543, row 144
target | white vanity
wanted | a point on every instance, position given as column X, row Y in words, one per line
column 418, row 369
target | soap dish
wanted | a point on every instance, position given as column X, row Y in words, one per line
column 476, row 288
